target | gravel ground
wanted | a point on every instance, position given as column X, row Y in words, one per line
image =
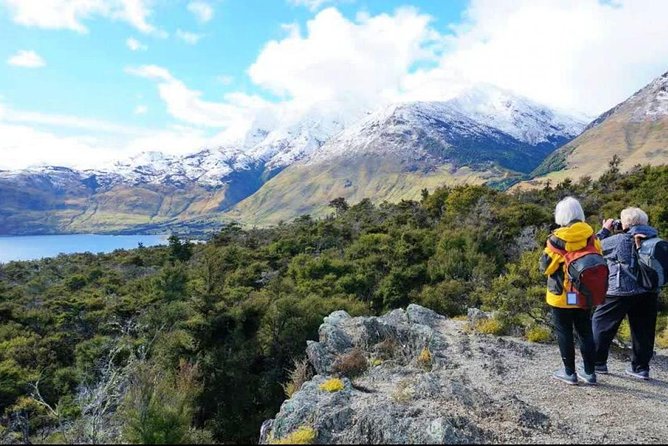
column 474, row 389
column 620, row 409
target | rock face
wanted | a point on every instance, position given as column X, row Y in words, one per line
column 432, row 380
column 403, row 397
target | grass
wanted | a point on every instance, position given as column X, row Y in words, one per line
column 538, row 334
column 490, row 326
column 300, row 373
column 424, row 359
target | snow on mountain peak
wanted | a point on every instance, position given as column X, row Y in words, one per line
column 274, row 142
column 651, row 101
column 517, row 116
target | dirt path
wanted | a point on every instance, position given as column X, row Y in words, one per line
column 620, row 409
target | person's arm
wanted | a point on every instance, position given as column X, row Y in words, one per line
column 549, row 261
column 544, row 262
column 606, row 230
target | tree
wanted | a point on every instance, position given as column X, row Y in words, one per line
column 178, row 250
column 340, row 205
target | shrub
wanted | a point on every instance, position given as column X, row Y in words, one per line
column 303, row 435
column 300, row 373
column 351, row 364
column 538, row 334
column 424, row 358
column 624, row 332
column 386, row 349
column 159, row 406
column 332, row 385
column 489, row 326
column 661, row 339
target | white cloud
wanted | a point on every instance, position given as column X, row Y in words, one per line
column 70, row 14
column 31, row 139
column 237, row 111
column 584, row 55
column 201, row 10
column 312, row 5
column 575, row 54
column 26, row 59
column 188, row 37
column 140, row 110
column 224, row 79
column 135, row 45
column 339, row 58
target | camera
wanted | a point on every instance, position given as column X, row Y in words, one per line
column 617, row 225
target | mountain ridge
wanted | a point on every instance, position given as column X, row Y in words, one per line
column 486, row 134
column 636, row 130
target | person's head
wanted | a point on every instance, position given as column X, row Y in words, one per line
column 568, row 211
column 633, row 217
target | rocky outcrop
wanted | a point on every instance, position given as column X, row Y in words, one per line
column 415, row 391
column 430, row 379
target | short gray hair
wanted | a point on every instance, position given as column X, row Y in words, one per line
column 633, row 217
column 567, row 211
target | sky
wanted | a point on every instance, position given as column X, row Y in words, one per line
column 87, row 82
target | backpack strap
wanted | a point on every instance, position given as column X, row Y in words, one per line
column 557, row 244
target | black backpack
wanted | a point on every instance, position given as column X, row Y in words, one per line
column 652, row 263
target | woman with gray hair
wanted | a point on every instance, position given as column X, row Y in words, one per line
column 573, row 235
column 625, row 295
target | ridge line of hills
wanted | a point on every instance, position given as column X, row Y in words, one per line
column 485, row 135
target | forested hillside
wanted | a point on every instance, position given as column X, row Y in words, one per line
column 193, row 343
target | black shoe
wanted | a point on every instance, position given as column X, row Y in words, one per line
column 563, row 376
column 640, row 374
column 588, row 378
column 602, row 369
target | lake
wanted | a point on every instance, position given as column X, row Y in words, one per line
column 32, row 247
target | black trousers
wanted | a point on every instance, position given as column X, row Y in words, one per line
column 641, row 310
column 565, row 320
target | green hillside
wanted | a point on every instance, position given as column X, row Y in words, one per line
column 193, row 343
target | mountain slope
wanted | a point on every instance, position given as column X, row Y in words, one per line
column 279, row 170
column 486, row 135
column 636, row 130
column 152, row 191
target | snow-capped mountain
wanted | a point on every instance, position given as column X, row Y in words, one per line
column 519, row 117
column 209, row 167
column 636, row 130
column 490, row 132
column 485, row 135
column 480, row 119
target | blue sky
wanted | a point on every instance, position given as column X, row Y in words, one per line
column 104, row 79
column 85, row 72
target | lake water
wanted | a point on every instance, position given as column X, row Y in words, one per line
column 32, row 247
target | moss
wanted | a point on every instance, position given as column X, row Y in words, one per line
column 375, row 362
column 303, row 435
column 538, row 334
column 490, row 326
column 332, row 385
